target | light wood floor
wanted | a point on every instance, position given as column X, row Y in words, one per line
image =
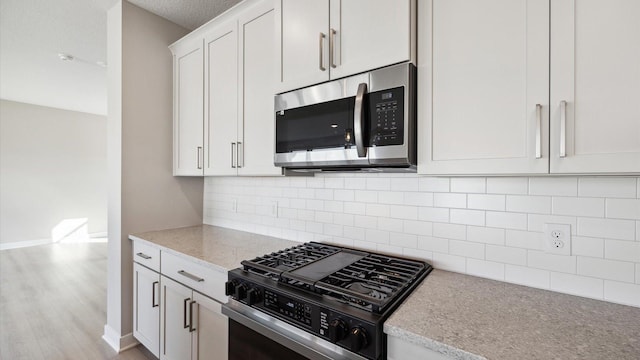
column 53, row 303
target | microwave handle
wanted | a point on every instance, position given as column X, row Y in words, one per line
column 358, row 120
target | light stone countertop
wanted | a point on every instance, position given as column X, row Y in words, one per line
column 466, row 317
column 212, row 246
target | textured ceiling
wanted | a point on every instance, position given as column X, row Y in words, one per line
column 33, row 32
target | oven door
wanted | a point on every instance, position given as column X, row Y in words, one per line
column 255, row 335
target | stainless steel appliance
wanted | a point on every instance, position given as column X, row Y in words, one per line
column 359, row 122
column 316, row 301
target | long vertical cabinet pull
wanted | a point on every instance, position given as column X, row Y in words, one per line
column 332, row 48
column 563, row 128
column 192, row 328
column 233, row 157
column 153, row 294
column 184, row 318
column 321, row 52
column 538, row 131
column 240, row 159
column 199, row 156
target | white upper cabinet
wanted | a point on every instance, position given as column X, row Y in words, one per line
column 221, row 95
column 320, row 40
column 595, row 86
column 483, row 86
column 256, row 126
column 188, row 146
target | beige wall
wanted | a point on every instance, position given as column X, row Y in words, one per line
column 143, row 194
column 53, row 167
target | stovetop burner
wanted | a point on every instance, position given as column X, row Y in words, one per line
column 361, row 279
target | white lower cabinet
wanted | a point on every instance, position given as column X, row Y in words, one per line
column 146, row 307
column 398, row 349
column 191, row 325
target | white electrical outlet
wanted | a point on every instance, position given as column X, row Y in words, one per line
column 273, row 205
column 557, row 239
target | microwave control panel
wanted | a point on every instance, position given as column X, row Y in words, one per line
column 386, row 111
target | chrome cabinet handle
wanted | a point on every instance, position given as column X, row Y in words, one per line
column 321, row 44
column 199, row 151
column 191, row 327
column 143, row 255
column 190, row 276
column 153, row 294
column 358, row 114
column 233, row 158
column 332, row 45
column 563, row 128
column 538, row 131
column 240, row 159
column 184, row 317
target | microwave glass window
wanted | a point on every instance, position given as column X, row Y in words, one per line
column 318, row 126
column 386, row 114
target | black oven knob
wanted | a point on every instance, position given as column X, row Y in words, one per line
column 253, row 296
column 338, row 330
column 241, row 292
column 359, row 338
column 230, row 288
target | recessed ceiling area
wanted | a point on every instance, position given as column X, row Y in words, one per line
column 34, row 33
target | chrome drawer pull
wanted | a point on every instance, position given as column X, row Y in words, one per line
column 190, row 276
column 144, row 256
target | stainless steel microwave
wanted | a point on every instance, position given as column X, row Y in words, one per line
column 365, row 121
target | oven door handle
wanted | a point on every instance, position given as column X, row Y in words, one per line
column 298, row 340
column 358, row 120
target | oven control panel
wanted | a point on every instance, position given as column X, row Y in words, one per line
column 342, row 329
column 386, row 115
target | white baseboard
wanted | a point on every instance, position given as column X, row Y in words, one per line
column 21, row 244
column 117, row 342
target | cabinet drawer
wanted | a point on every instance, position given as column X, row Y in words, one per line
column 200, row 278
column 146, row 255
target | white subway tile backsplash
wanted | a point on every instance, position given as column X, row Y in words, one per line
column 593, row 207
column 607, row 228
column 558, row 186
column 468, row 185
column 485, row 269
column 506, row 220
column 433, row 214
column 606, row 269
column 433, row 184
column 560, row 263
column 466, row 249
column 485, row 235
column 622, row 293
column 529, row 204
column 507, row 185
column 577, row 285
column 467, row 217
column 623, row 209
column 587, row 246
column 622, row 250
column 506, row 255
column 450, row 231
column 450, row 200
column 486, row 202
column 609, row 187
column 527, row 276
column 490, row 227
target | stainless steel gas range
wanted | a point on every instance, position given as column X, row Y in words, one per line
column 316, row 301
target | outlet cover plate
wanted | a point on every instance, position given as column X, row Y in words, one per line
column 557, row 239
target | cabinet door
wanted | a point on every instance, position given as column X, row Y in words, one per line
column 211, row 336
column 256, row 130
column 175, row 337
column 302, row 41
column 221, row 98
column 188, row 108
column 483, row 88
column 146, row 308
column 368, row 34
column 595, row 86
